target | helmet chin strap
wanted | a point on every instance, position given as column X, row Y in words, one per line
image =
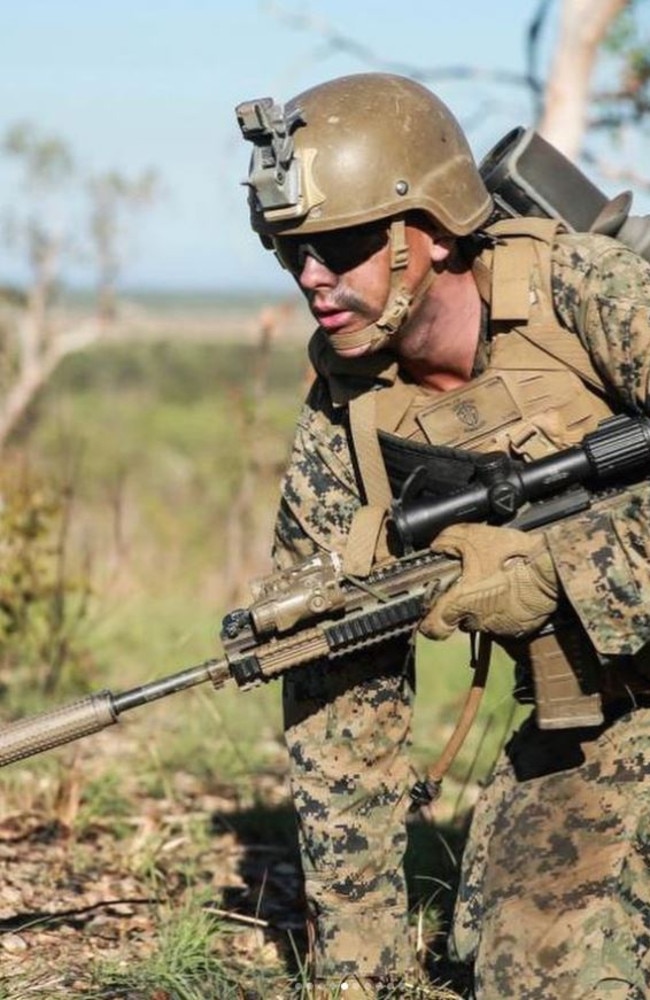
column 399, row 302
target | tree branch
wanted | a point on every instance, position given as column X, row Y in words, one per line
column 33, row 376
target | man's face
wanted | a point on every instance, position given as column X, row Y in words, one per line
column 345, row 274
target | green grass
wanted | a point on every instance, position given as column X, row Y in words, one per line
column 104, row 798
column 184, row 966
column 176, row 371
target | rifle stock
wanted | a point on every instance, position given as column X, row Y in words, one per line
column 315, row 612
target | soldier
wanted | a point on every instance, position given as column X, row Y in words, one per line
column 441, row 328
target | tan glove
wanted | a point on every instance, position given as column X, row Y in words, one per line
column 508, row 585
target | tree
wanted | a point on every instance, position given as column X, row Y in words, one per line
column 38, row 344
column 47, row 167
column 33, row 340
column 566, row 107
column 112, row 197
column 584, row 24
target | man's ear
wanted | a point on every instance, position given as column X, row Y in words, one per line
column 441, row 247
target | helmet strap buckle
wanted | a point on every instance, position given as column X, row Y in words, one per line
column 399, row 248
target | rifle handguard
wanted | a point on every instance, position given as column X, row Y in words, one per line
column 54, row 728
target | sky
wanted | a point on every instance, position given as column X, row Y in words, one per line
column 139, row 84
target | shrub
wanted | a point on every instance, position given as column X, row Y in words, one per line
column 43, row 604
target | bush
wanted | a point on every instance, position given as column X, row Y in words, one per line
column 42, row 605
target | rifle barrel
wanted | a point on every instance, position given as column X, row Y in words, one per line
column 216, row 671
column 66, row 723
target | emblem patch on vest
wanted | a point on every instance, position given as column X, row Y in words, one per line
column 479, row 410
column 468, row 414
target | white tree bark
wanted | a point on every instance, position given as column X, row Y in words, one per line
column 35, row 374
column 583, row 26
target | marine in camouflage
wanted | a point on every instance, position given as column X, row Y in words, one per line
column 554, row 891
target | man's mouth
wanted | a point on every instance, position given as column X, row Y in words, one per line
column 333, row 320
column 331, row 317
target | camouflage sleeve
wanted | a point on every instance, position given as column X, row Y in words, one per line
column 602, row 293
column 603, row 560
column 319, row 490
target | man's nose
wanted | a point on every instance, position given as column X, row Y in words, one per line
column 315, row 274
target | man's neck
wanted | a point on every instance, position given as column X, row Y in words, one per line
column 438, row 344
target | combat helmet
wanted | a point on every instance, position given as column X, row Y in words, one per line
column 358, row 149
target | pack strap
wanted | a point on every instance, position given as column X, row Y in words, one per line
column 511, row 267
column 515, row 252
column 367, row 535
column 518, row 247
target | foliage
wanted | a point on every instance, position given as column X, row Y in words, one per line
column 43, row 603
column 185, row 965
column 47, row 158
column 114, row 198
column 629, row 48
column 39, row 224
column 159, row 488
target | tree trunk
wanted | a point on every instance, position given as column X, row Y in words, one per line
column 583, row 26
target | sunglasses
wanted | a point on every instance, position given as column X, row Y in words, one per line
column 339, row 251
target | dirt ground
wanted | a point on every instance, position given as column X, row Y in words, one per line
column 77, row 890
column 74, row 892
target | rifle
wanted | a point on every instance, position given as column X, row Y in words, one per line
column 314, row 611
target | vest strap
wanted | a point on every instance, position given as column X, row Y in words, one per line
column 512, row 264
column 367, row 536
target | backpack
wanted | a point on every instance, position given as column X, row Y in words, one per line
column 527, row 176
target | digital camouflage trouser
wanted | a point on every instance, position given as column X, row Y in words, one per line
column 554, row 899
column 348, row 733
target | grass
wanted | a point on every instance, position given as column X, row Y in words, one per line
column 232, row 740
column 103, row 798
column 185, row 965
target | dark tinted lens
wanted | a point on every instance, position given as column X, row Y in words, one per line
column 339, row 251
column 289, row 252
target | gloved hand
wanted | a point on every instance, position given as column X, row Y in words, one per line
column 508, row 584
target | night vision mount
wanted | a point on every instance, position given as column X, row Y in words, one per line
column 274, row 176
